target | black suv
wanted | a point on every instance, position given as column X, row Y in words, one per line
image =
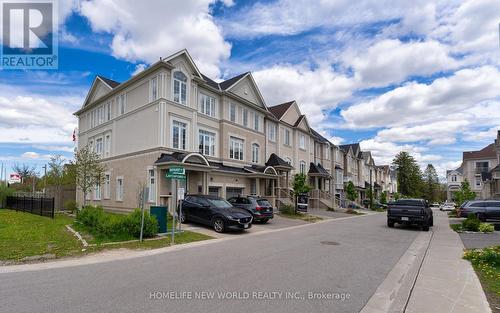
column 485, row 210
column 260, row 208
column 214, row 211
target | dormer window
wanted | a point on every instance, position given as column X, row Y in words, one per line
column 180, row 87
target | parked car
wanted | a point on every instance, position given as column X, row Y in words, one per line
column 260, row 208
column 485, row 210
column 448, row 206
column 215, row 212
column 410, row 211
column 435, row 205
column 376, row 204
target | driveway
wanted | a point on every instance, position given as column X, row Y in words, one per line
column 331, row 266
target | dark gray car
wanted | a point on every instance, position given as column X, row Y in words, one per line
column 260, row 208
column 485, row 210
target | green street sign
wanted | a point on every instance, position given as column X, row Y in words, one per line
column 176, row 173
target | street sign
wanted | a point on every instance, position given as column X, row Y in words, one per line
column 302, row 202
column 176, row 173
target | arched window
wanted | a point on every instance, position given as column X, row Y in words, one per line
column 302, row 167
column 180, row 87
column 255, row 153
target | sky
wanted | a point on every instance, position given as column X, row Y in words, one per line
column 419, row 76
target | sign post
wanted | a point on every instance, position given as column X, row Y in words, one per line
column 178, row 173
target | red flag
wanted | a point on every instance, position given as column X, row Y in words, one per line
column 74, row 135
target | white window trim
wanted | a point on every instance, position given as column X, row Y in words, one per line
column 97, row 192
column 253, row 160
column 231, row 105
column 188, row 127
column 200, row 110
column 216, row 136
column 119, row 199
column 152, row 188
column 151, row 97
column 256, row 126
column 269, row 126
column 300, row 143
column 243, row 110
column 107, row 186
column 243, row 148
column 172, row 86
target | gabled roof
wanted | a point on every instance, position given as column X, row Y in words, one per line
column 188, row 56
column 210, row 82
column 280, row 109
column 275, row 160
column 228, row 83
column 111, row 83
column 318, row 136
column 356, row 150
column 458, row 170
column 317, row 169
column 487, row 152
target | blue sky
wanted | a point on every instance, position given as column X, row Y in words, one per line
column 420, row 77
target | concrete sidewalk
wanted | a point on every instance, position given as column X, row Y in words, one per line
column 446, row 282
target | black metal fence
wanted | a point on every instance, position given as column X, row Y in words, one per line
column 34, row 205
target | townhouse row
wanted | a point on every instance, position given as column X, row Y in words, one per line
column 481, row 168
column 224, row 135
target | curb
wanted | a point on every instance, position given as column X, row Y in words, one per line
column 393, row 293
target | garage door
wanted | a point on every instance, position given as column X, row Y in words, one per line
column 214, row 191
column 233, row 192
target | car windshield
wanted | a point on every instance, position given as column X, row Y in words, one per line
column 263, row 202
column 220, row 203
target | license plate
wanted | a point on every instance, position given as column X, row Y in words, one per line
column 245, row 225
column 405, row 219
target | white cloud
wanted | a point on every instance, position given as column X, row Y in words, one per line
column 147, row 32
column 139, row 68
column 487, row 135
column 59, row 148
column 30, row 155
column 390, row 61
column 421, row 103
column 314, row 90
column 442, row 132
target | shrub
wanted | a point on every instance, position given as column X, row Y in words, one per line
column 71, row 206
column 4, row 193
column 471, row 223
column 287, row 209
column 486, row 228
column 490, row 256
column 90, row 216
column 132, row 224
column 453, row 213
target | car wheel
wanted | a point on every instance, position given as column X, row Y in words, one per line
column 219, row 225
column 390, row 223
column 425, row 226
column 480, row 216
column 264, row 220
column 183, row 218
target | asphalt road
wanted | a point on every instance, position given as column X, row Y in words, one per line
column 286, row 265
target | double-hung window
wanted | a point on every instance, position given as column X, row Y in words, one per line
column 271, row 132
column 232, row 112
column 180, row 87
column 302, row 142
column 179, row 135
column 151, row 185
column 256, row 122
column 97, row 192
column 207, row 105
column 255, row 153
column 121, row 104
column 236, row 148
column 119, row 189
column 154, row 88
column 245, row 117
column 206, row 142
column 108, row 110
column 99, row 146
column 302, row 167
column 286, row 135
column 107, row 183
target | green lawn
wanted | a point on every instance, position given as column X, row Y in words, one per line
column 25, row 234
column 486, row 263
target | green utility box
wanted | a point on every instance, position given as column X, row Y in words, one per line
column 160, row 212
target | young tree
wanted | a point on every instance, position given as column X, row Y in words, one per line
column 431, row 184
column 409, row 176
column 351, row 191
column 465, row 193
column 300, row 185
column 383, row 197
column 88, row 170
column 55, row 174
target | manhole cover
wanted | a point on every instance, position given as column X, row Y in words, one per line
column 330, row 243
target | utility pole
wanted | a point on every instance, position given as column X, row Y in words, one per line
column 44, row 178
